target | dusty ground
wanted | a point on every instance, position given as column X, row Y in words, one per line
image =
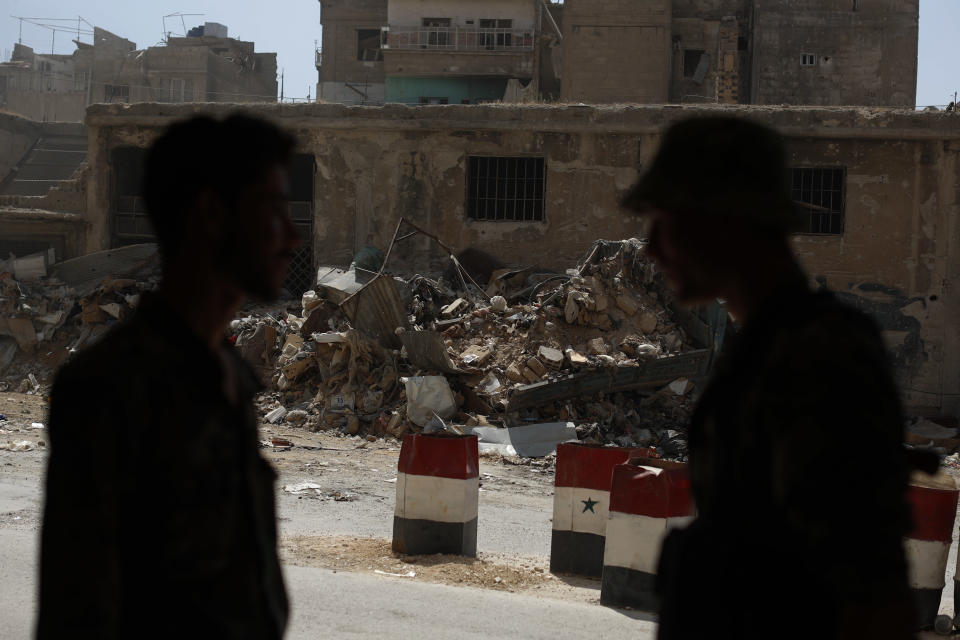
column 352, row 473
column 489, row 571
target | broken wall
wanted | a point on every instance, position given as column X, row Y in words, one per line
column 896, row 257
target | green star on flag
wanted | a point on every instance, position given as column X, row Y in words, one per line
column 589, row 504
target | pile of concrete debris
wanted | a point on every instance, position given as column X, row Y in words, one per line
column 597, row 349
column 50, row 311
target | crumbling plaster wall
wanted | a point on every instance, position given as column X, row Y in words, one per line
column 897, row 257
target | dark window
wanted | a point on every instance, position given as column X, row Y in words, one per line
column 493, row 33
column 368, row 45
column 696, row 62
column 819, row 196
column 116, row 93
column 808, row 59
column 505, row 188
column 741, row 43
column 438, row 31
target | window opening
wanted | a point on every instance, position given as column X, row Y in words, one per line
column 131, row 225
column 116, row 93
column 495, row 33
column 695, row 64
column 819, row 195
column 808, row 59
column 438, row 31
column 368, row 45
column 505, row 188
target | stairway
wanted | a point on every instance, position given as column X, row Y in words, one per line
column 58, row 152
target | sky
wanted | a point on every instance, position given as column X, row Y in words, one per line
column 293, row 31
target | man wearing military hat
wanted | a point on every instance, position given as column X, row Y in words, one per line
column 796, row 458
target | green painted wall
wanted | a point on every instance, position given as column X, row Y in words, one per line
column 455, row 90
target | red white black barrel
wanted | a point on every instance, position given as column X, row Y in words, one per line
column 438, row 485
column 933, row 502
column 580, row 501
column 645, row 503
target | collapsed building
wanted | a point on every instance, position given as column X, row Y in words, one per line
column 879, row 187
column 204, row 66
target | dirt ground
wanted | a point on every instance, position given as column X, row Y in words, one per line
column 347, row 469
column 488, row 571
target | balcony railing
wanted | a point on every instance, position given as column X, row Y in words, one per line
column 457, row 39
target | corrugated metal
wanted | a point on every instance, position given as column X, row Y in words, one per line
column 377, row 311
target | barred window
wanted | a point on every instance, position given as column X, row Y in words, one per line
column 505, row 188
column 819, row 194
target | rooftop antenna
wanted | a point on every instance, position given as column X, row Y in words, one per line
column 54, row 25
column 166, row 33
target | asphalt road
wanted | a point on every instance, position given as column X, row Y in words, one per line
column 328, row 604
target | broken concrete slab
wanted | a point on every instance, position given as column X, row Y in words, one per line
column 86, row 273
column 653, row 374
column 529, row 441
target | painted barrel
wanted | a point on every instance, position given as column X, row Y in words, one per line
column 438, row 485
column 647, row 499
column 933, row 505
column 580, row 501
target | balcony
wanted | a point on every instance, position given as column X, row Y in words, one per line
column 452, row 39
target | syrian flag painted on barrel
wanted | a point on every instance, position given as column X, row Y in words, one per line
column 646, row 501
column 580, row 501
column 438, row 485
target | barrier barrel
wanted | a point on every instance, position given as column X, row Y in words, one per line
column 647, row 499
column 933, row 504
column 580, row 501
column 438, row 485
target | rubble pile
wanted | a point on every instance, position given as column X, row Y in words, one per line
column 481, row 356
column 44, row 319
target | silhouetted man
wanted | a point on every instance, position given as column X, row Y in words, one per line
column 796, row 458
column 159, row 519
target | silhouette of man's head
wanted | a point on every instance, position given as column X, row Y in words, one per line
column 217, row 195
column 718, row 202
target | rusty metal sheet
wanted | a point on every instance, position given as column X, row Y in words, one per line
column 425, row 349
column 377, row 311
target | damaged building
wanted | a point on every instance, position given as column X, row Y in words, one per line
column 814, row 52
column 204, row 66
column 878, row 186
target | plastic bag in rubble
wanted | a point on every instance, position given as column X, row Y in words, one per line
column 428, row 395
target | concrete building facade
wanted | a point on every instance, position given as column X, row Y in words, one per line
column 350, row 60
column 196, row 68
column 797, row 52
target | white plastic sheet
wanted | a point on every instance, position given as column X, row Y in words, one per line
column 428, row 395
